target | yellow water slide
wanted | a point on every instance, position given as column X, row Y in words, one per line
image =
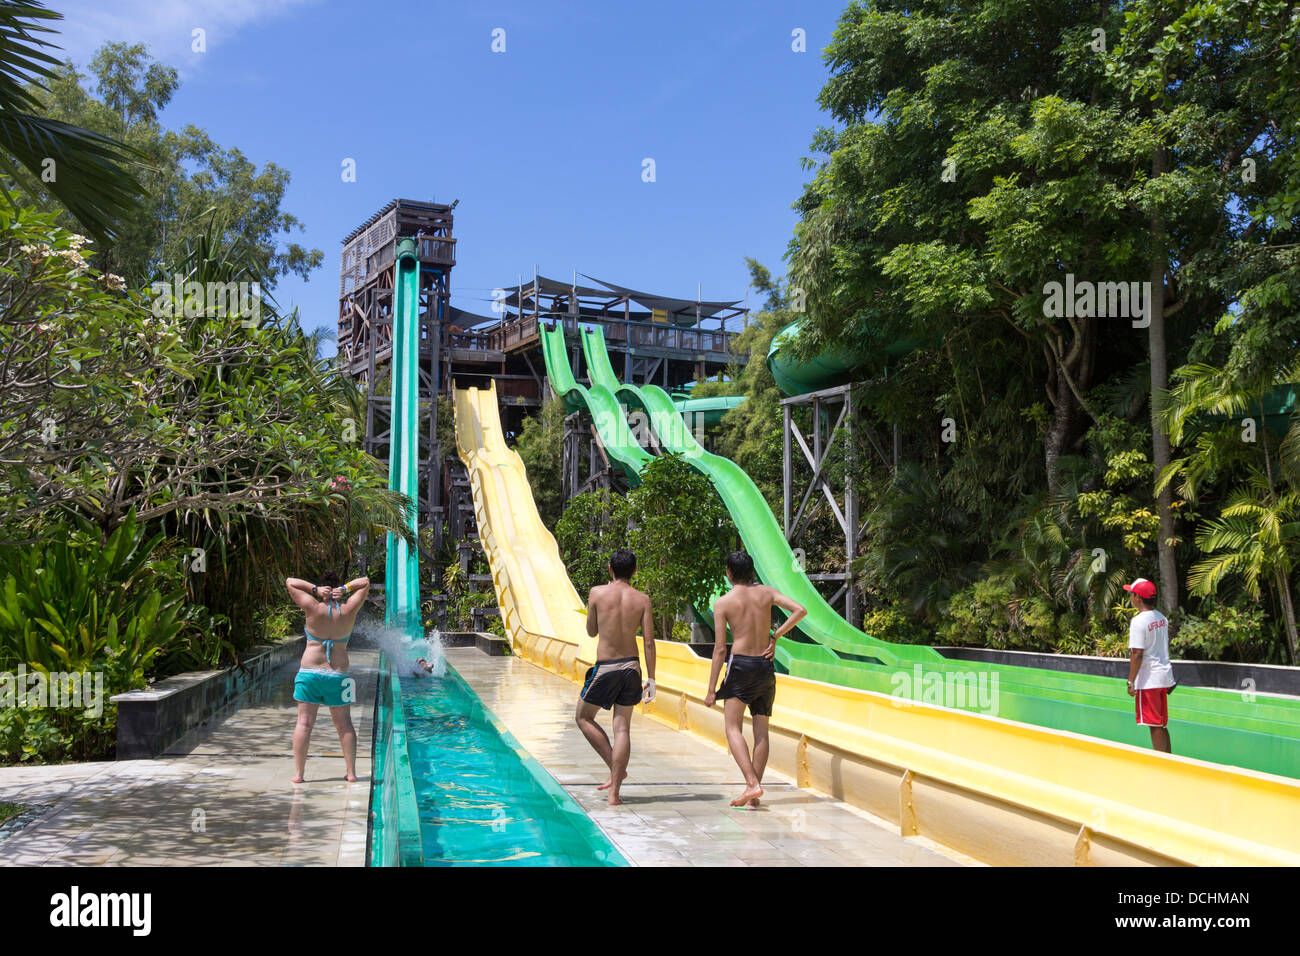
column 1003, row 792
column 539, row 607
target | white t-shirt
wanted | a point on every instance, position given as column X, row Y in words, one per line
column 1149, row 632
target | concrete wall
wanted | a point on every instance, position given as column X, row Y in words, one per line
column 150, row 721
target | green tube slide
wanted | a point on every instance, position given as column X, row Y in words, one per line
column 1215, row 725
column 707, row 410
column 402, row 585
column 832, row 367
column 796, row 378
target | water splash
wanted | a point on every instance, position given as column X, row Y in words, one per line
column 403, row 650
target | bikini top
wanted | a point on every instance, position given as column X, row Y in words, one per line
column 328, row 644
column 333, row 606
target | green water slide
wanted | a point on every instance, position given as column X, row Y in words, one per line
column 763, row 537
column 796, row 376
column 402, row 584
column 1213, row 725
column 707, row 410
column 599, row 402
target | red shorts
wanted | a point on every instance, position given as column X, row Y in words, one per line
column 1153, row 706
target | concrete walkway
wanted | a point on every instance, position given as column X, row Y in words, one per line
column 676, row 796
column 221, row 798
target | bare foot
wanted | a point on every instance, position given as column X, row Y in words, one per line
column 350, row 777
column 615, row 800
column 754, row 803
column 297, row 780
column 609, row 781
column 751, row 793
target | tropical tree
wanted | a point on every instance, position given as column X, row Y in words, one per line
column 191, row 182
column 1255, row 539
column 86, row 171
column 917, row 553
column 1227, row 421
column 541, row 447
column 211, row 420
column 681, row 534
column 593, row 525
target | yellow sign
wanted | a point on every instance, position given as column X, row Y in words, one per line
column 659, row 315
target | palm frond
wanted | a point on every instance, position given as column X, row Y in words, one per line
column 83, row 170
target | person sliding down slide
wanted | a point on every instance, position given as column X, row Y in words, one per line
column 615, row 611
column 751, row 675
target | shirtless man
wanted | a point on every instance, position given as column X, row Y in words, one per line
column 330, row 609
column 751, row 675
column 615, row 611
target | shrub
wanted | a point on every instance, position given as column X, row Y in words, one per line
column 110, row 606
column 893, row 625
column 1225, row 633
column 593, row 525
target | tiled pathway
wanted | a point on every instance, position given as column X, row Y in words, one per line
column 676, row 810
column 221, row 799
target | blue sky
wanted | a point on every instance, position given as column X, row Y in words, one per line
column 542, row 144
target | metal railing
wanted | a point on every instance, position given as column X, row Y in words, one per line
column 618, row 331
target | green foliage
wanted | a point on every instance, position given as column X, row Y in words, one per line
column 594, row 525
column 994, row 612
column 681, row 535
column 93, row 178
column 31, row 735
column 896, row 626
column 953, row 187
column 1227, row 633
column 275, row 622
column 77, row 602
column 462, row 599
column 541, row 447
column 1254, row 539
column 81, row 604
column 917, row 550
column 750, row 433
column 188, row 179
column 224, row 437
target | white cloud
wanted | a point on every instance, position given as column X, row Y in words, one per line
column 165, row 26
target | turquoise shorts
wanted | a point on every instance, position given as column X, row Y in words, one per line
column 326, row 687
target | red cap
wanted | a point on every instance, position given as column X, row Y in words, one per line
column 1142, row 588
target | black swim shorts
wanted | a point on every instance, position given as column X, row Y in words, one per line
column 613, row 682
column 751, row 680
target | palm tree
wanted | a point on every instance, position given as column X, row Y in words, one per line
column 1204, row 392
column 85, row 171
column 1253, row 539
column 918, row 550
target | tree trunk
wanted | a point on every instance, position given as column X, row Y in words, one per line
column 1069, row 377
column 1160, row 452
column 1059, row 428
column 1288, row 609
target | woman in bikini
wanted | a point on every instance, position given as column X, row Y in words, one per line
column 331, row 611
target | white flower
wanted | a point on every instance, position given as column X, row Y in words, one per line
column 73, row 258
